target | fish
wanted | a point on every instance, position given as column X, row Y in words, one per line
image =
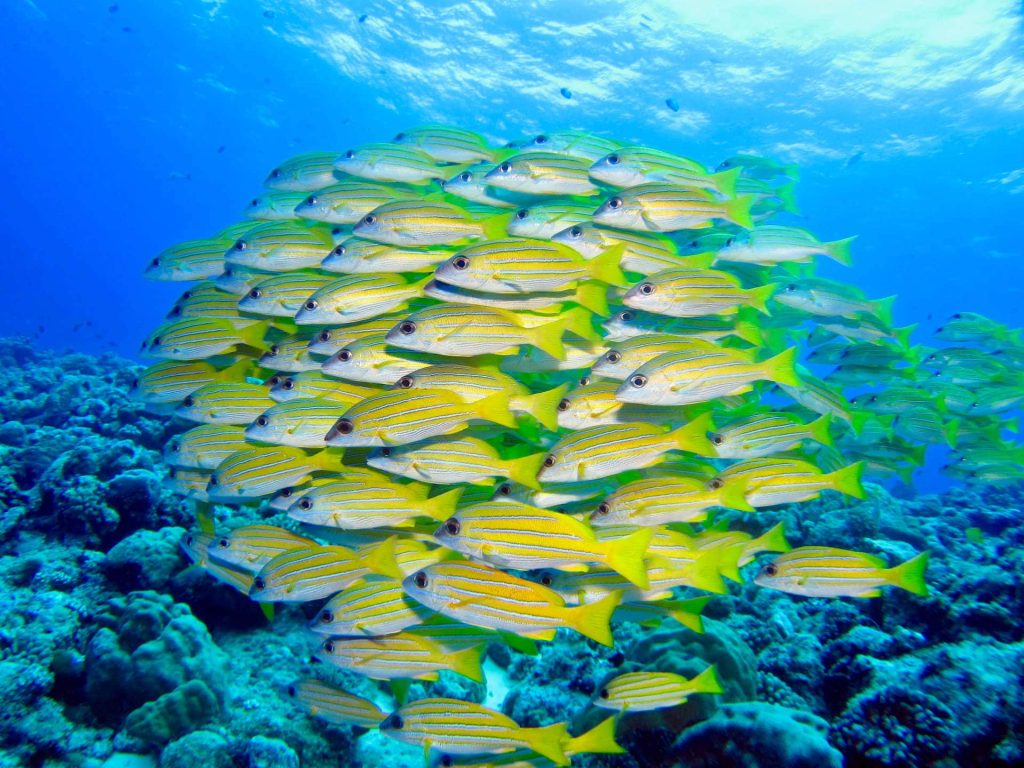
column 171, row 381
column 447, row 144
column 250, row 547
column 373, row 360
column 303, row 173
column 770, row 481
column 373, row 501
column 290, row 355
column 643, row 252
column 358, row 297
column 545, row 219
column 767, row 434
column 484, row 596
column 281, row 246
column 627, row 355
column 975, row 327
column 462, row 727
column 769, row 244
column 348, row 201
column 632, row 166
column 659, row 501
column 682, row 378
column 285, row 388
column 225, row 402
column 657, row 207
column 358, row 256
column 399, row 417
column 189, row 260
column 630, row 323
column 585, row 146
column 261, row 471
column 274, row 205
column 542, row 173
column 589, row 294
column 684, row 292
column 205, row 446
column 388, row 162
column 328, row 341
column 400, row 655
column 829, row 572
column 462, row 459
column 199, row 338
column 602, row 451
column 760, row 167
column 644, row 691
column 300, row 423
column 205, row 300
column 370, row 610
column 335, row 705
column 552, row 495
column 512, row 535
column 595, row 404
column 825, row 299
column 472, row 185
column 426, row 223
column 315, row 572
column 525, row 266
column 281, row 295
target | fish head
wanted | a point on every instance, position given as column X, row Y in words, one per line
column 314, row 206
column 583, row 238
column 774, row 574
column 616, row 171
column 340, row 259
column 559, row 467
column 621, row 326
column 391, row 460
column 608, row 513
column 265, row 428
column 426, row 586
column 646, row 385
column 417, row 333
column 318, row 310
column 648, row 296
column 465, row 271
column 619, row 211
column 513, row 174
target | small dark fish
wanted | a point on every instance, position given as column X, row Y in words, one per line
column 645, row 25
column 854, row 159
column 41, row 329
column 220, row 149
column 672, row 104
column 645, row 16
column 363, row 18
column 566, row 93
column 113, row 8
column 127, row 29
column 269, row 14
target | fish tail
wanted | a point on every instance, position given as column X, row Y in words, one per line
column 268, row 611
column 238, row 371
column 748, row 330
column 903, row 335
column 706, row 571
column 951, row 430
column 792, row 170
column 599, row 740
column 910, row 575
column 548, row 741
column 729, row 568
column 466, row 662
column 495, row 410
column 787, row 194
column 579, row 322
column 848, row 480
column 701, row 260
column 693, row 436
column 737, row 211
column 734, row 496
column 707, row 682
column 782, row 368
column 606, row 267
column 758, row 297
column 496, row 227
column 883, row 311
column 686, row 612
column 594, row 296
column 818, row 430
column 543, row 406
column 252, row 335
column 858, row 421
column 593, row 620
column 773, row 540
column 204, row 516
column 548, row 337
column 381, row 559
column 442, row 506
column 725, row 181
column 626, row 556
column 524, row 470
column 840, row 250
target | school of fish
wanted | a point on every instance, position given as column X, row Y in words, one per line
column 503, row 391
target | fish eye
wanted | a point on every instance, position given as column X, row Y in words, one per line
column 546, row 579
column 175, row 312
column 155, row 262
column 395, row 722
column 345, row 355
column 541, row 139
column 646, row 288
column 604, row 508
column 404, row 383
column 613, row 356
column 385, row 452
column 224, row 544
column 407, row 328
column 255, row 202
column 399, row 136
column 974, row 405
column 337, row 230
column 274, row 350
column 189, row 540
column 134, row 384
column 584, row 381
column 305, row 503
column 350, row 154
column 460, row 262
column 189, row 401
column 329, row 646
column 286, row 493
column 730, row 241
column 447, row 761
column 505, row 489
column 522, row 213
column 274, row 380
column 323, row 336
column 576, row 231
column 563, row 404
column 276, row 173
column 326, row 617
column 241, row 245
column 771, row 569
column 369, row 219
column 625, row 316
column 311, row 200
column 255, row 293
column 612, row 159
column 155, row 342
column 604, row 693
column 344, row 427
column 262, row 421
column 615, row 202
column 791, row 287
column 339, row 251
column 505, row 167
column 311, row 305
column 957, row 316
column 420, row 580
column 725, row 164
column 715, row 483
column 213, row 480
column 453, row 526
column 466, row 176
column 292, row 691
column 289, row 384
column 549, row 461
column 259, row 582
column 639, row 381
column 717, row 439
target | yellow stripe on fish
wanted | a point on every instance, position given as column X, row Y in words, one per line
column 205, row 446
column 225, row 403
column 281, row 246
column 829, row 572
column 660, row 207
column 644, row 691
column 335, row 705
column 372, row 609
column 370, row 502
column 400, row 656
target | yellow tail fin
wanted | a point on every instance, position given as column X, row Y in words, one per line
column 910, row 575
column 693, row 437
column 626, row 556
column 524, row 469
column 599, row 740
column 686, row 612
column 594, row 296
column 466, row 662
column 847, row 480
column 758, row 297
column 593, row 620
column 725, row 181
column 840, row 250
column 548, row 741
column 543, row 406
column 579, row 322
column 782, row 368
column 605, row 267
column 818, row 430
column 707, row 682
column 442, row 506
column 495, row 410
column 380, row 559
column 548, row 337
column 738, row 211
column 772, row 540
